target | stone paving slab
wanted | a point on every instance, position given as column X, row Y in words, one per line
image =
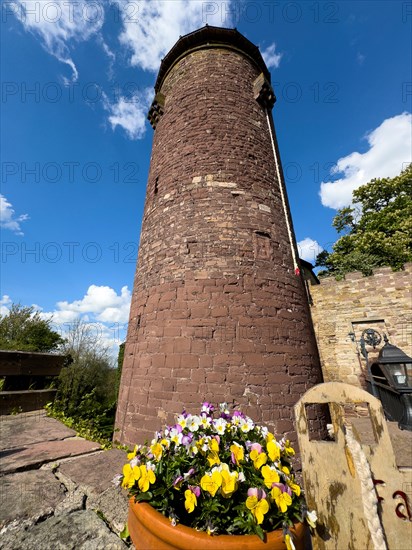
column 28, row 496
column 36, row 454
column 95, row 471
column 25, row 429
column 93, row 476
column 82, row 530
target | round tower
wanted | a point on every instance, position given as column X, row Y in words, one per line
column 219, row 311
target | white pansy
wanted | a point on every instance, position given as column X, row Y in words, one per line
column 312, row 518
column 193, row 423
column 220, row 426
column 182, row 420
column 176, row 437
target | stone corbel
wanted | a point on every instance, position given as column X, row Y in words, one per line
column 263, row 92
column 156, row 109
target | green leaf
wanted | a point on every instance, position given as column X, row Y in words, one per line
column 141, row 497
column 124, row 535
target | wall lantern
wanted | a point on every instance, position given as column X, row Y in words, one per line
column 391, row 376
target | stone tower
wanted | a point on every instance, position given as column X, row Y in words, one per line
column 218, row 312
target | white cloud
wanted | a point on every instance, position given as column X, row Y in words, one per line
column 5, row 302
column 100, row 302
column 390, row 149
column 271, row 58
column 8, row 219
column 58, row 23
column 104, row 312
column 109, row 53
column 156, row 25
column 360, row 58
column 130, row 113
column 308, row 249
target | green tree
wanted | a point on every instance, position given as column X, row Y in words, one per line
column 87, row 389
column 23, row 329
column 377, row 231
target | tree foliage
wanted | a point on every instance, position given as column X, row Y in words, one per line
column 23, row 329
column 377, row 231
column 87, row 389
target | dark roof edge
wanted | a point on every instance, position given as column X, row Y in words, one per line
column 210, row 37
column 309, row 268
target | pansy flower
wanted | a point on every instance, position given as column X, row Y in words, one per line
column 190, row 501
column 183, row 420
column 213, row 456
column 270, row 475
column 282, row 496
column 229, row 483
column 157, row 451
column 256, row 502
column 273, row 450
column 220, row 426
column 146, row 478
column 130, row 475
column 311, row 518
column 246, row 425
column 238, row 453
column 193, row 423
column 211, row 482
column 258, row 458
column 207, row 408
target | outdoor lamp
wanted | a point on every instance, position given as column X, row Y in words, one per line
column 392, row 375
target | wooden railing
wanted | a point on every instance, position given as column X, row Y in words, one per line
column 26, row 377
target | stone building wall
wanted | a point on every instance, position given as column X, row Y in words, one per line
column 382, row 302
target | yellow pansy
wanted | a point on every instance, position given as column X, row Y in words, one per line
column 273, row 450
column 131, row 455
column 285, row 470
column 157, row 451
column 258, row 507
column 283, row 500
column 130, row 475
column 146, row 478
column 213, row 456
column 269, row 437
column 190, row 501
column 211, row 482
column 270, row 476
column 258, row 458
column 214, row 445
column 295, row 488
column 289, row 451
column 238, row 453
column 289, row 543
column 229, row 483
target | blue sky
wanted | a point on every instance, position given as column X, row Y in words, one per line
column 77, row 80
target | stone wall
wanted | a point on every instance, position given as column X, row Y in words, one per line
column 382, row 302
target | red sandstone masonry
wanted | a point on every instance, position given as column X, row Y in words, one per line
column 217, row 310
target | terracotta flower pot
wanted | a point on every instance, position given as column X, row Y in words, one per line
column 150, row 530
